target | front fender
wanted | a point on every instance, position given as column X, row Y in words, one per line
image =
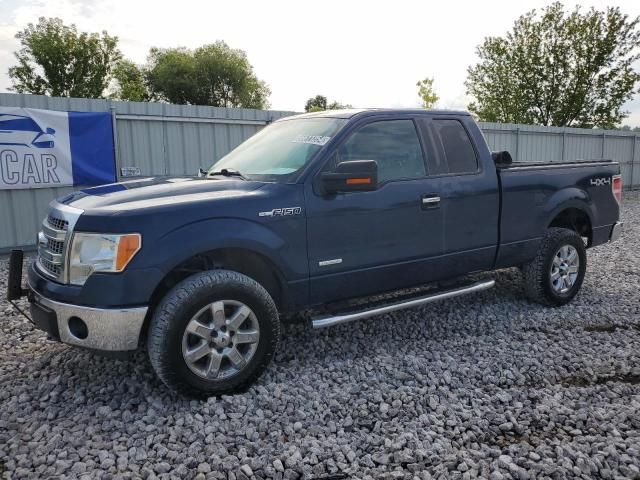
column 268, row 240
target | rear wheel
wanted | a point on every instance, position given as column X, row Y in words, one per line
column 555, row 275
column 213, row 333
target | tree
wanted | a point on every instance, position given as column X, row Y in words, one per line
column 171, row 75
column 55, row 59
column 316, row 104
column 213, row 74
column 427, row 93
column 129, row 82
column 319, row 103
column 558, row 68
column 338, row 106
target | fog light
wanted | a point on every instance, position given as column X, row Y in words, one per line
column 78, row 328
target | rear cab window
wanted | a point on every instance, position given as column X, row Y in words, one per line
column 455, row 152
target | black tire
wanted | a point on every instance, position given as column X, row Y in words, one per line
column 538, row 285
column 178, row 308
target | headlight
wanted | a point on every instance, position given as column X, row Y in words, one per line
column 100, row 252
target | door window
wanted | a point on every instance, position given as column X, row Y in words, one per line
column 393, row 144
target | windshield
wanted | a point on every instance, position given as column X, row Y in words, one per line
column 280, row 151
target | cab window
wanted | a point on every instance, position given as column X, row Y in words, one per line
column 456, row 146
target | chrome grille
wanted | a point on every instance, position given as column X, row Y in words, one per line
column 52, row 268
column 57, row 223
column 52, row 240
column 55, row 246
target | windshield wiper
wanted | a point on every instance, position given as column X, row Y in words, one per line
column 228, row 173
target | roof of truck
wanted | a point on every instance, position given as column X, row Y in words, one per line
column 349, row 113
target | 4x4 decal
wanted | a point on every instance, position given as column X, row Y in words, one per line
column 599, row 182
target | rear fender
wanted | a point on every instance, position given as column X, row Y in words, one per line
column 568, row 198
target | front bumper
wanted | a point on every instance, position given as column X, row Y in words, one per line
column 110, row 329
column 97, row 327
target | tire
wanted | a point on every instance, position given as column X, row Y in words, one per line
column 197, row 303
column 553, row 260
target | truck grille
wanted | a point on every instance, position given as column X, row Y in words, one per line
column 57, row 223
column 52, row 240
column 52, row 268
column 55, row 246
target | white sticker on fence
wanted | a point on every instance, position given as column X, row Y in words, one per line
column 130, row 172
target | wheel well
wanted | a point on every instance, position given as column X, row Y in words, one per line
column 247, row 262
column 576, row 220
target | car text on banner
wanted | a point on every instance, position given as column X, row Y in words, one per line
column 46, row 148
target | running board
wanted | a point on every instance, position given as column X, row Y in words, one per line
column 331, row 320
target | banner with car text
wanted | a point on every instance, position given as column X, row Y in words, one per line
column 47, row 148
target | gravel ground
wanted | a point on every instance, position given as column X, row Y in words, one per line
column 486, row 385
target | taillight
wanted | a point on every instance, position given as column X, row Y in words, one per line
column 616, row 187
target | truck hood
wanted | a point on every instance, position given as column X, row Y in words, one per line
column 157, row 192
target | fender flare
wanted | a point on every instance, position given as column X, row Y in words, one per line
column 566, row 198
column 220, row 233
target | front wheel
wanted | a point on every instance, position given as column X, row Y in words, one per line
column 213, row 333
column 555, row 275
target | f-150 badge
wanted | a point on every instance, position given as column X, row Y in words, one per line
column 281, row 212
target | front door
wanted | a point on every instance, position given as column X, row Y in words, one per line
column 365, row 242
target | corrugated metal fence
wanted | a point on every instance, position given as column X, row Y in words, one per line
column 532, row 143
column 169, row 139
column 158, row 138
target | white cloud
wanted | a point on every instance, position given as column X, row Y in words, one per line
column 366, row 53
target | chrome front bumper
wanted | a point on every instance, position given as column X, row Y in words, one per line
column 616, row 231
column 106, row 328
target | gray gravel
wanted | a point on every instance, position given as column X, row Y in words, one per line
column 487, row 385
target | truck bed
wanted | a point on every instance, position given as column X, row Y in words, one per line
column 531, row 192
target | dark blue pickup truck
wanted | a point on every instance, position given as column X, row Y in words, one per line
column 309, row 219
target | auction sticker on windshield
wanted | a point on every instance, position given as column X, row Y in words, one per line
column 312, row 139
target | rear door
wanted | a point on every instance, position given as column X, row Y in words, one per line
column 365, row 242
column 469, row 195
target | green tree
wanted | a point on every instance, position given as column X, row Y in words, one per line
column 171, row 75
column 56, row 59
column 129, row 80
column 558, row 68
column 316, row 104
column 213, row 74
column 426, row 93
column 338, row 106
column 319, row 103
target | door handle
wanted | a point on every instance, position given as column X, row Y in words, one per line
column 430, row 201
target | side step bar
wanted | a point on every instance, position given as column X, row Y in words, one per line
column 331, row 320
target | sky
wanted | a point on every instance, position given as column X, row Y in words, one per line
column 365, row 53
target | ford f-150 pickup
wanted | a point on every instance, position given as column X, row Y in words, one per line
column 310, row 218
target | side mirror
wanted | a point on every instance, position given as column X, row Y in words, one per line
column 502, row 158
column 351, row 176
column 201, row 173
column 51, row 131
